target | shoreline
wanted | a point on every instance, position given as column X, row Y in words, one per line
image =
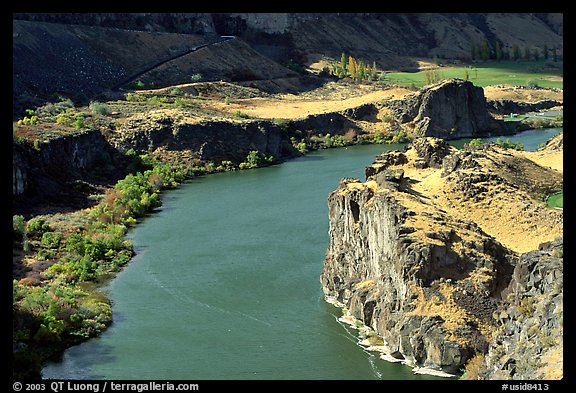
column 111, row 275
column 366, row 334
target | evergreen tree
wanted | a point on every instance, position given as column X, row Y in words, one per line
column 498, row 51
column 343, row 66
column 485, row 50
column 515, row 52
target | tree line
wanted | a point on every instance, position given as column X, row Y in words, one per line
column 354, row 68
column 486, row 50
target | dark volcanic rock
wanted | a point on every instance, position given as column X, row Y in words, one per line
column 411, row 286
column 64, row 171
column 211, row 141
column 450, row 109
column 326, row 123
column 431, row 151
column 531, row 317
column 434, row 287
column 505, row 107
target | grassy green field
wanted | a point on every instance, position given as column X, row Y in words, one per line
column 556, row 200
column 524, row 73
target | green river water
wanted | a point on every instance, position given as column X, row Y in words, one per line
column 225, row 284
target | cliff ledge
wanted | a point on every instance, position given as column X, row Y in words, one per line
column 433, row 256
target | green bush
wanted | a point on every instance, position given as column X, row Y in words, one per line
column 195, row 77
column 79, row 123
column 18, row 226
column 28, row 120
column 508, row 144
column 241, row 115
column 155, row 100
column 255, row 159
column 400, row 137
column 51, row 239
column 135, row 97
column 64, row 119
column 76, row 243
column 302, row 147
column 475, row 143
column 53, row 109
column 36, row 227
column 380, row 138
column 99, row 108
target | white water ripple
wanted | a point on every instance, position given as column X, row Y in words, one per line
column 188, row 299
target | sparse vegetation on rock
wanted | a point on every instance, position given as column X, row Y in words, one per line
column 101, row 127
column 427, row 218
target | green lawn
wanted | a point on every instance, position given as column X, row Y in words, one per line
column 556, row 200
column 492, row 73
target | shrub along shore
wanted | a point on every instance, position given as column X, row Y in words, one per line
column 60, row 305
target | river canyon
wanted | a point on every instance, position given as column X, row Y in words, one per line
column 225, row 283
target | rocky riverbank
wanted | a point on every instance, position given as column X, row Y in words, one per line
column 419, row 256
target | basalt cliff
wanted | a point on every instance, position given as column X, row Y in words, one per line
column 448, row 260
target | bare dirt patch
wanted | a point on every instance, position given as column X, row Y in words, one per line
column 508, row 92
column 330, row 98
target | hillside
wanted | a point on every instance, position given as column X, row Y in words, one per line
column 91, row 53
column 87, row 62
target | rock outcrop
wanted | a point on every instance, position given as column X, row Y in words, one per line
column 422, row 280
column 554, row 144
column 64, row 170
column 193, row 138
column 505, row 107
column 530, row 341
column 450, row 109
column 431, row 284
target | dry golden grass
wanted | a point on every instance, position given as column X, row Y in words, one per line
column 554, row 160
column 473, row 367
column 553, row 360
column 453, row 315
column 512, row 216
column 523, row 95
column 290, row 106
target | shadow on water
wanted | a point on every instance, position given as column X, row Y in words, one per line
column 83, row 364
column 309, row 158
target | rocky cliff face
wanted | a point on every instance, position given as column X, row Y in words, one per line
column 505, row 107
column 450, row 109
column 529, row 344
column 57, row 171
column 422, row 280
column 434, row 287
column 199, row 139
